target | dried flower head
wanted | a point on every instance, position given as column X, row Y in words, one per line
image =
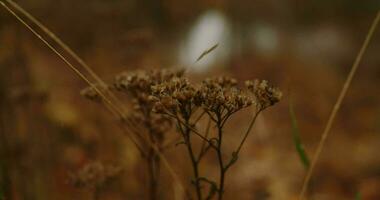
column 94, row 175
column 265, row 94
column 139, row 81
column 222, row 96
column 138, row 84
column 176, row 95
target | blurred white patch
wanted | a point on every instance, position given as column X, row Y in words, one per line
column 210, row 29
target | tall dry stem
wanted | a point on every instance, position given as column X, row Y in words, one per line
column 111, row 106
column 337, row 105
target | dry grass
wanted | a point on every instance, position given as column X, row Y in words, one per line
column 337, row 105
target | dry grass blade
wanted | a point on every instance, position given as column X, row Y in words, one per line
column 72, row 67
column 337, row 105
column 66, row 48
column 207, row 52
column 114, row 109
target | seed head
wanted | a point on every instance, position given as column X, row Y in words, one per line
column 138, row 85
column 222, row 96
column 265, row 95
column 174, row 95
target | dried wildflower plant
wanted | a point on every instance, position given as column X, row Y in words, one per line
column 218, row 98
column 137, row 87
column 176, row 98
column 162, row 98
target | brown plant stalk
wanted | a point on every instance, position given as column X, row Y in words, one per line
column 114, row 109
column 337, row 105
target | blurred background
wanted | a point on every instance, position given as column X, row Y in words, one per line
column 306, row 48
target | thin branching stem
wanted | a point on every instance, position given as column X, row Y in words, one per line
column 185, row 131
column 189, row 126
column 199, row 117
column 247, row 132
column 152, row 164
column 205, row 148
column 152, row 159
column 222, row 171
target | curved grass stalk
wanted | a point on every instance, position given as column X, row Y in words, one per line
column 337, row 105
column 66, row 48
column 114, row 109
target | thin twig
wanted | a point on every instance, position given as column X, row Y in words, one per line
column 247, row 132
column 199, row 117
column 203, row 146
column 222, row 171
column 190, row 128
column 337, row 106
column 195, row 164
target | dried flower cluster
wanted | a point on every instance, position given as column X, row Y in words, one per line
column 161, row 97
column 95, row 175
column 176, row 95
column 265, row 94
column 216, row 96
column 138, row 87
column 221, row 97
column 138, row 84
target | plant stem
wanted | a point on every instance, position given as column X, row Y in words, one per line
column 220, row 158
column 204, row 149
column 247, row 132
column 189, row 126
column 195, row 165
column 153, row 164
column 152, row 158
column 337, row 105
